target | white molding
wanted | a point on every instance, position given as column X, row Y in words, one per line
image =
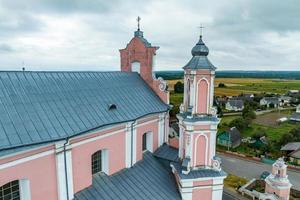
column 26, row 159
column 134, row 149
column 206, row 148
column 161, row 129
column 149, row 141
column 105, row 161
column 94, row 138
column 25, row 193
column 25, row 151
column 61, row 177
column 128, row 145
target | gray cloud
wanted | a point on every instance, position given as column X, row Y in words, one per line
column 86, row 35
column 4, row 48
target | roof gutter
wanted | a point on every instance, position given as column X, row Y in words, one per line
column 66, row 168
column 83, row 132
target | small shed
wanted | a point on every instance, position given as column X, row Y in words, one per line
column 292, row 150
column 230, row 138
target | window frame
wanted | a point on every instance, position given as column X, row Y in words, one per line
column 9, row 186
column 103, row 160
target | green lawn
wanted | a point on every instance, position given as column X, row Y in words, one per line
column 273, row 132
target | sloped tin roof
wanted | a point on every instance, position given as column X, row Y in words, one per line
column 38, row 107
column 146, row 180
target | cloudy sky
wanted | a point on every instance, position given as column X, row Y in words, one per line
column 86, row 34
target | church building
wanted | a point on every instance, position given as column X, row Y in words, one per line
column 104, row 135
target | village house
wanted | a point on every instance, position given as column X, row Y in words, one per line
column 295, row 117
column 234, row 105
column 270, row 102
column 285, row 100
column 103, row 135
column 292, row 151
column 230, row 138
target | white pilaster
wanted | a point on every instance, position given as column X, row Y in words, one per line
column 25, row 193
column 128, row 145
column 61, row 172
column 161, row 129
column 181, row 145
column 134, row 149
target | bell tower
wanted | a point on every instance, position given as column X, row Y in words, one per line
column 198, row 123
column 277, row 182
column 139, row 56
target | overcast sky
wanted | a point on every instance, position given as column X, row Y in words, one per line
column 87, row 34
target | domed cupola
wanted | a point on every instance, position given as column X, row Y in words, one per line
column 200, row 49
column 199, row 60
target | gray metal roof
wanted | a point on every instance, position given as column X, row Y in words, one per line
column 292, row 146
column 140, row 35
column 38, row 107
column 199, row 173
column 236, row 103
column 274, row 100
column 295, row 116
column 199, row 59
column 146, row 180
column 168, row 153
column 235, row 134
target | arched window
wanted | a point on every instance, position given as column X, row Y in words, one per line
column 136, row 67
column 10, row 191
column 100, row 162
column 147, row 142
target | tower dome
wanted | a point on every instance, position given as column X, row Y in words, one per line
column 199, row 60
column 200, row 49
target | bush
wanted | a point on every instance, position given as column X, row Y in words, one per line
column 179, row 87
column 240, row 123
column 292, row 136
column 221, row 85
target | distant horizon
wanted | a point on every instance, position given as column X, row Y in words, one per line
column 79, row 35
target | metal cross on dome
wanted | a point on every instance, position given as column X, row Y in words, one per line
column 138, row 20
column 201, row 29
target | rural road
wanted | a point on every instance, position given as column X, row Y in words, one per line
column 251, row 169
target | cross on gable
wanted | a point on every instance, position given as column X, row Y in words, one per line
column 138, row 21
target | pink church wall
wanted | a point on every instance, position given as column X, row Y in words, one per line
column 81, row 158
column 174, row 142
column 40, row 172
column 280, row 192
column 153, row 127
column 200, row 147
column 202, row 97
column 136, row 51
column 203, row 194
column 25, row 154
column 203, row 183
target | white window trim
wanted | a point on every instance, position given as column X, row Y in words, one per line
column 149, row 139
column 105, row 161
column 24, row 188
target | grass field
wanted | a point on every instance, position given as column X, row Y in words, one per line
column 236, row 86
column 264, row 123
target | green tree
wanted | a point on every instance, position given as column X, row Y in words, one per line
column 248, row 113
column 179, row 87
column 221, row 85
column 240, row 123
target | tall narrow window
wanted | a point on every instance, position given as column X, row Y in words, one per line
column 145, row 142
column 10, row 191
column 100, row 162
column 97, row 162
